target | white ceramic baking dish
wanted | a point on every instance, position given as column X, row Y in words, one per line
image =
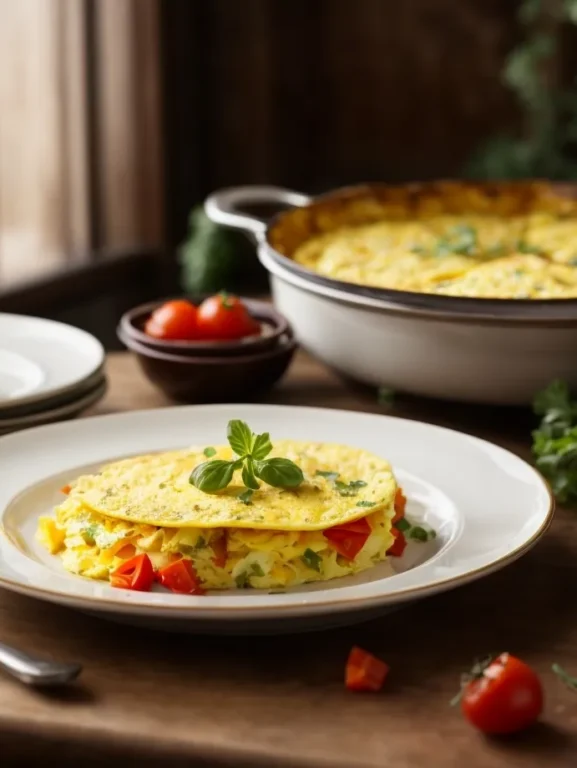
column 498, row 351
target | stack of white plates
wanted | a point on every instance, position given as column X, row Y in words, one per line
column 49, row 371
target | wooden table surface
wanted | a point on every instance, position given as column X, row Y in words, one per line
column 167, row 699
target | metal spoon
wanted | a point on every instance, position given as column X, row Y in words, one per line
column 34, row 671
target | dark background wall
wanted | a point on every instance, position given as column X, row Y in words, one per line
column 317, row 93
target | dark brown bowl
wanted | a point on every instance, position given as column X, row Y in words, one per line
column 213, row 379
column 273, row 327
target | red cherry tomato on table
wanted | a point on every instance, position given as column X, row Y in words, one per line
column 173, row 321
column 504, row 697
column 225, row 317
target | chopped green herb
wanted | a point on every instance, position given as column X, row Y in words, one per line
column 418, row 533
column 162, row 485
column 88, row 534
column 200, row 543
column 246, row 496
column 311, row 559
column 385, row 396
column 209, row 452
column 498, row 249
column 418, row 249
column 241, row 580
column 256, row 570
column 461, row 240
column 332, row 476
column 572, row 262
column 349, row 489
column 402, row 525
column 366, row 503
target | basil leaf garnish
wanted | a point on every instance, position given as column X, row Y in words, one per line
column 262, row 446
column 280, row 473
column 211, row 476
column 239, row 437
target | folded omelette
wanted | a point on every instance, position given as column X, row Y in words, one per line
column 277, row 538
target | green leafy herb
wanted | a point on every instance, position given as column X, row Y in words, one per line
column 461, row 239
column 262, row 446
column 89, row 533
column 415, row 532
column 332, row 476
column 366, row 503
column 311, row 559
column 209, row 452
column 200, row 543
column 248, row 477
column 240, row 437
column 349, row 489
column 281, row 473
column 251, row 449
column 555, row 440
column 211, row 476
column 241, row 580
column 256, row 570
column 385, row 396
column 418, row 533
column 570, row 682
column 246, row 496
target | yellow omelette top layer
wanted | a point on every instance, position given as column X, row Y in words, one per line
column 532, row 256
column 155, row 489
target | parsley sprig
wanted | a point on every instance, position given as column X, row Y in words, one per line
column 251, row 450
column 555, row 440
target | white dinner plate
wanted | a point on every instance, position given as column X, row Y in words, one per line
column 43, row 358
column 487, row 506
column 68, row 410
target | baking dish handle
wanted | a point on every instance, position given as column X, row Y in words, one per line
column 223, row 207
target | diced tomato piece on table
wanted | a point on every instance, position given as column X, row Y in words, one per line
column 365, row 672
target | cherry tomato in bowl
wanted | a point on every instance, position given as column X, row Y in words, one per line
column 174, row 320
column 224, row 317
column 503, row 696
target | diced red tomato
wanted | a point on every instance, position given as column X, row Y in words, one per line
column 180, row 577
column 400, row 504
column 398, row 546
column 348, row 539
column 220, row 551
column 66, row 489
column 364, row 672
column 136, row 573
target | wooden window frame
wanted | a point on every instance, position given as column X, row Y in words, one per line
column 100, row 155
